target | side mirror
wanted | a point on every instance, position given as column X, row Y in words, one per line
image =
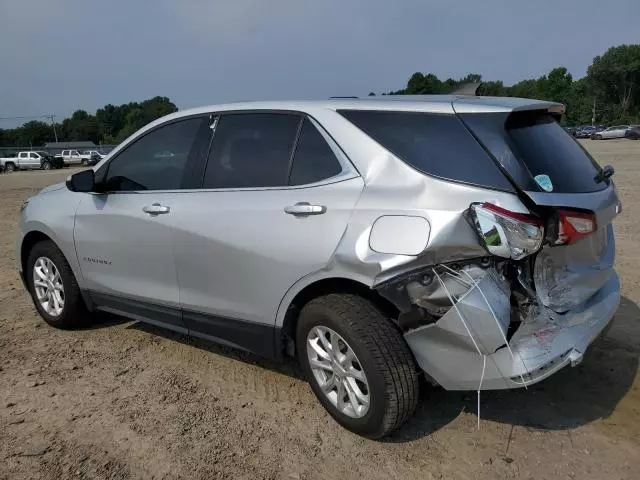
column 84, row 181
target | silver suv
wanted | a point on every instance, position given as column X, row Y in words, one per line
column 468, row 238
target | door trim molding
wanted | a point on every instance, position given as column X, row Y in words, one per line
column 156, row 314
column 253, row 337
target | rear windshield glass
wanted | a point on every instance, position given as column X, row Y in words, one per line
column 435, row 144
column 533, row 146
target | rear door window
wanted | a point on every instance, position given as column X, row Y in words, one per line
column 313, row 160
column 435, row 144
column 251, row 150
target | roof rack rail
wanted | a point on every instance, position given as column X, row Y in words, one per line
column 342, row 97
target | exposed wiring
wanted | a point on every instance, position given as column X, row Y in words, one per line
column 484, row 357
column 504, row 337
column 484, row 365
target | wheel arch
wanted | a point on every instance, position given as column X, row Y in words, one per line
column 28, row 241
column 36, row 231
column 292, row 304
column 35, row 236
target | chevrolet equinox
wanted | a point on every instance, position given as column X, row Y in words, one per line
column 467, row 238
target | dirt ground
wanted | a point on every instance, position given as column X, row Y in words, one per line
column 123, row 400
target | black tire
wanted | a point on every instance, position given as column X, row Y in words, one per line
column 9, row 167
column 46, row 165
column 84, row 162
column 382, row 353
column 74, row 312
column 598, row 137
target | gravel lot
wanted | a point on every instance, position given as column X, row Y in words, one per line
column 123, row 400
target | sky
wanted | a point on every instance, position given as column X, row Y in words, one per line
column 57, row 56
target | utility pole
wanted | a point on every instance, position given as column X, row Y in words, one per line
column 55, row 133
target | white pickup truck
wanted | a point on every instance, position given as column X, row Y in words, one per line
column 30, row 160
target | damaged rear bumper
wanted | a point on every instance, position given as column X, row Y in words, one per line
column 544, row 343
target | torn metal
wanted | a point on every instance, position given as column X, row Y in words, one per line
column 567, row 276
column 481, row 325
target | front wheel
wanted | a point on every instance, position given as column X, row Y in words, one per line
column 53, row 287
column 598, row 137
column 357, row 363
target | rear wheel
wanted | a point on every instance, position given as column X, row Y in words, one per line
column 84, row 162
column 46, row 165
column 53, row 287
column 10, row 167
column 357, row 363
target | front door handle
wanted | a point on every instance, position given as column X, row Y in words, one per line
column 155, row 209
column 304, row 209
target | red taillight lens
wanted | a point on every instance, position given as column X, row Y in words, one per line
column 572, row 226
column 505, row 233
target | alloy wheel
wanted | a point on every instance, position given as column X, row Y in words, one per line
column 338, row 372
column 48, row 286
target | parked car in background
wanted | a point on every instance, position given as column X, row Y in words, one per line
column 269, row 227
column 633, row 133
column 617, row 131
column 31, row 160
column 91, row 157
column 585, row 131
column 74, row 157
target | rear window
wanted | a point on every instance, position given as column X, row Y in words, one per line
column 435, row 144
column 533, row 144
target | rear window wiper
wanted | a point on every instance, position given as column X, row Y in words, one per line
column 604, row 173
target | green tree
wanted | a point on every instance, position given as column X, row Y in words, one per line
column 134, row 120
column 110, row 120
column 524, row 89
column 492, row 89
column 34, row 133
column 615, row 78
column 81, row 127
column 111, row 124
column 556, row 86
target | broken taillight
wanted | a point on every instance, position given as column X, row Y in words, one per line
column 505, row 233
column 572, row 226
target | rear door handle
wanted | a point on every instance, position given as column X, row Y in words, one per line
column 304, row 209
column 155, row 209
